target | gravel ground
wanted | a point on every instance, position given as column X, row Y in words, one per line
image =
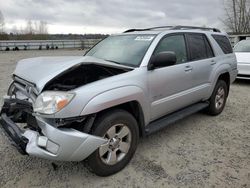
column 199, row 151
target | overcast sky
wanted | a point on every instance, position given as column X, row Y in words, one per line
column 111, row 16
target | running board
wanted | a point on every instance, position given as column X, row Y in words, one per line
column 174, row 117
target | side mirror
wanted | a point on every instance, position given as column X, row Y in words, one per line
column 162, row 59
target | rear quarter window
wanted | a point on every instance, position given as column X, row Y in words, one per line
column 224, row 43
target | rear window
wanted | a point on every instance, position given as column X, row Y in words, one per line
column 223, row 43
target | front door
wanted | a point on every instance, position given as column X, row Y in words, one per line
column 170, row 87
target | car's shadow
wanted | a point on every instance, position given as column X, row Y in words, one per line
column 242, row 82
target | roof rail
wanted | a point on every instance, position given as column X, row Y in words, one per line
column 193, row 27
column 181, row 27
column 147, row 29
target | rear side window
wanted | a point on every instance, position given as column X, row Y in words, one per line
column 223, row 43
column 199, row 47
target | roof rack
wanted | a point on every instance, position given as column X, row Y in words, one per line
column 178, row 27
column 147, row 29
column 193, row 27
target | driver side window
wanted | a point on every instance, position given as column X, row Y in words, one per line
column 174, row 43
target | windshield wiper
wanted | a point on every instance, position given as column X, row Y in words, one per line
column 124, row 64
column 112, row 61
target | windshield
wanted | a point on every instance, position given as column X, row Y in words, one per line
column 123, row 49
column 242, row 46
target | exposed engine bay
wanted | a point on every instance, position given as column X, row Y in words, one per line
column 81, row 75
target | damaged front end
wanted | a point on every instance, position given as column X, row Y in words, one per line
column 64, row 139
column 34, row 136
column 29, row 114
column 81, row 75
column 15, row 110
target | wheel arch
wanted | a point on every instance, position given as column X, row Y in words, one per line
column 221, row 73
column 129, row 98
column 132, row 107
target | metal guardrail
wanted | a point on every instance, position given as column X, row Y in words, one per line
column 46, row 44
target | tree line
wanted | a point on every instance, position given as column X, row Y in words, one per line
column 34, row 30
column 38, row 30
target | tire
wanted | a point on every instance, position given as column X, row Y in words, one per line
column 218, row 99
column 113, row 157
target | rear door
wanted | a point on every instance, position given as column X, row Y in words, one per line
column 202, row 62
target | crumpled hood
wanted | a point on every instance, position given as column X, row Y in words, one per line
column 40, row 70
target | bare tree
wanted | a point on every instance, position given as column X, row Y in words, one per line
column 29, row 28
column 237, row 15
column 1, row 23
column 35, row 27
column 43, row 27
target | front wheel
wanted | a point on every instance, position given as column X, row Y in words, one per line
column 120, row 130
column 218, row 99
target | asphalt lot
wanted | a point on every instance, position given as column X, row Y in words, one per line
column 199, row 151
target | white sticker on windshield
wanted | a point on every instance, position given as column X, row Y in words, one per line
column 144, row 38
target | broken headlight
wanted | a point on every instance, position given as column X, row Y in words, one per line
column 50, row 102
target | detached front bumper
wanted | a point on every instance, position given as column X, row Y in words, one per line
column 41, row 139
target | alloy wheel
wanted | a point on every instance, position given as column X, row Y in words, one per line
column 220, row 98
column 118, row 143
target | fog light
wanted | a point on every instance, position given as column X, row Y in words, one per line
column 47, row 144
column 52, row 147
column 42, row 141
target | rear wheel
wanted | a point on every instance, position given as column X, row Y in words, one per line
column 120, row 130
column 218, row 98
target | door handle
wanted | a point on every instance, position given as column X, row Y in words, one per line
column 213, row 62
column 188, row 68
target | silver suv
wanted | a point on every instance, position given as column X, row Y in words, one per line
column 95, row 107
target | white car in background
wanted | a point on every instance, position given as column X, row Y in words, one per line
column 242, row 52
